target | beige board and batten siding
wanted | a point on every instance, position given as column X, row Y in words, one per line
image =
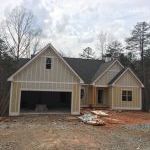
column 36, row 70
column 89, row 96
column 108, row 75
column 84, row 99
column 36, row 77
column 127, row 82
column 110, row 96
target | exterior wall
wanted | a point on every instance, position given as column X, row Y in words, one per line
column 84, row 100
column 127, row 82
column 110, row 96
column 119, row 104
column 90, row 95
column 105, row 96
column 17, row 87
column 105, row 79
column 36, row 77
column 36, row 71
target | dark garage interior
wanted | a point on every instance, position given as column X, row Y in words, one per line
column 45, row 101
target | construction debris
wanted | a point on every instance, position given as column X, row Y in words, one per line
column 92, row 119
column 100, row 113
column 112, row 121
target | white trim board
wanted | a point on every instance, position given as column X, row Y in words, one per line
column 101, row 86
column 75, row 113
column 107, row 70
column 44, row 113
column 47, row 90
column 123, row 86
column 126, row 108
column 42, row 51
column 10, row 99
column 48, row 82
column 13, row 114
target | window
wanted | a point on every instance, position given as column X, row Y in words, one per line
column 82, row 93
column 126, row 95
column 48, row 63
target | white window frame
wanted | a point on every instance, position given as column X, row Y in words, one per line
column 127, row 95
column 51, row 62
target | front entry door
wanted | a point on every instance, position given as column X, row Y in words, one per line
column 100, row 96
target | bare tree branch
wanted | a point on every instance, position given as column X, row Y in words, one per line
column 20, row 32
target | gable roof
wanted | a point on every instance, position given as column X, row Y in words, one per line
column 85, row 68
column 36, row 56
column 121, row 73
column 101, row 71
column 90, row 69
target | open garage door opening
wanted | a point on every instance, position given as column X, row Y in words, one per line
column 45, row 102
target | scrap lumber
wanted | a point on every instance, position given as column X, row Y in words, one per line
column 100, row 113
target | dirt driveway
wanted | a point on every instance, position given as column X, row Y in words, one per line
column 64, row 132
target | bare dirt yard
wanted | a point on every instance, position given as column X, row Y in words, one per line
column 131, row 131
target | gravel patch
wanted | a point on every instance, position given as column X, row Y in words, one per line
column 139, row 127
column 54, row 132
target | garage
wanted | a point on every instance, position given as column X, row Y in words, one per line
column 45, row 101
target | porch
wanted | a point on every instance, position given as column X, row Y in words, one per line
column 93, row 96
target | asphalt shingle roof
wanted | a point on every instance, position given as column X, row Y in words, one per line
column 85, row 68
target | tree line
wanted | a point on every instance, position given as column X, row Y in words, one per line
column 19, row 38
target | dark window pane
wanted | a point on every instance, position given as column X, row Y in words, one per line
column 124, row 98
column 48, row 63
column 129, row 92
column 124, row 92
column 82, row 93
column 129, row 98
column 100, row 96
column 126, row 95
column 48, row 66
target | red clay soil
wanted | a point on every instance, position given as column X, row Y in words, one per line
column 117, row 118
column 131, row 117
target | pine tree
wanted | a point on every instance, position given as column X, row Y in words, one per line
column 139, row 43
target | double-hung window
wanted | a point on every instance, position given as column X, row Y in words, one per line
column 126, row 95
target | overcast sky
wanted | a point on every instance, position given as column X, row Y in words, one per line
column 71, row 25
